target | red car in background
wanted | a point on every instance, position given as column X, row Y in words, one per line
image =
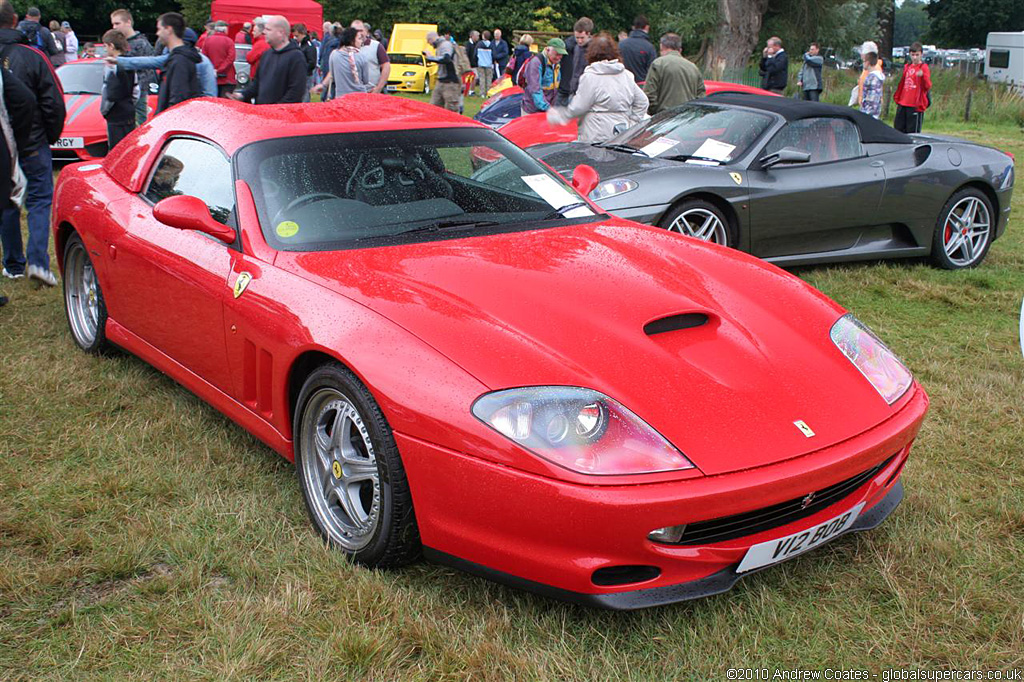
column 85, row 130
column 479, row 366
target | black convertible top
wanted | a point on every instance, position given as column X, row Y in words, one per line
column 871, row 129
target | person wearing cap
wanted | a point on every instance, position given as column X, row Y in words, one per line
column 244, row 35
column 774, row 66
column 70, row 41
column 869, row 97
column 220, row 49
column 542, row 74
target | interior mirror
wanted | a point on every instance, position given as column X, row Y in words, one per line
column 190, row 213
column 585, row 179
column 786, row 155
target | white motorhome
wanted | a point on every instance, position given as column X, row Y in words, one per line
column 1005, row 58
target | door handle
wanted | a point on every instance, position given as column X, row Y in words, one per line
column 877, row 164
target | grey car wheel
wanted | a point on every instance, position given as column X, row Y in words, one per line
column 83, row 298
column 350, row 471
column 963, row 233
column 701, row 220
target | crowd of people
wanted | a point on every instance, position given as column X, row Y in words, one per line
column 912, row 95
column 607, row 83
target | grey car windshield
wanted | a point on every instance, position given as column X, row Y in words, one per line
column 359, row 190
column 698, row 131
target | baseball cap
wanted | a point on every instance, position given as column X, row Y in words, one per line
column 221, row 24
column 65, row 24
column 558, row 45
column 190, row 36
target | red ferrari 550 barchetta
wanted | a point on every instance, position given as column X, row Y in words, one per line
column 477, row 364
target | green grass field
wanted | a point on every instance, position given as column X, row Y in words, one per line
column 143, row 535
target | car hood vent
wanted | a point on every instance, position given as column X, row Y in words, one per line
column 675, row 322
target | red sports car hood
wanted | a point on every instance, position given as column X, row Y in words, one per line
column 568, row 306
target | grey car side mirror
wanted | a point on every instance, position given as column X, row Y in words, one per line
column 786, row 155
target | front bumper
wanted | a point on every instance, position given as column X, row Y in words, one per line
column 551, row 536
column 412, row 84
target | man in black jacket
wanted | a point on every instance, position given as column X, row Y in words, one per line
column 35, row 71
column 774, row 66
column 180, row 80
column 38, row 35
column 636, row 51
column 282, row 75
column 18, row 112
column 308, row 49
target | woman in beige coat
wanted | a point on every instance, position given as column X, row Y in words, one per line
column 607, row 95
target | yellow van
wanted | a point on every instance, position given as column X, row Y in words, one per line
column 410, row 72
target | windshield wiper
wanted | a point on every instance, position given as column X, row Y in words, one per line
column 446, row 224
column 560, row 212
column 616, row 147
column 688, row 157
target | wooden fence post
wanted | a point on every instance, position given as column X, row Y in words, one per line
column 967, row 108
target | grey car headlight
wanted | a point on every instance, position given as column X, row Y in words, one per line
column 611, row 188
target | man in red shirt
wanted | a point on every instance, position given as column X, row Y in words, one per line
column 912, row 93
column 221, row 51
column 245, row 34
column 259, row 46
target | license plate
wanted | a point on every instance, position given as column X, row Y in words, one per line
column 774, row 551
column 68, row 143
column 391, row 88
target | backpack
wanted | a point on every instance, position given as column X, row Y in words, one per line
column 35, row 39
column 521, row 73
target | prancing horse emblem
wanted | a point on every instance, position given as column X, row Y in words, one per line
column 241, row 283
column 737, row 178
column 807, row 501
column 804, row 428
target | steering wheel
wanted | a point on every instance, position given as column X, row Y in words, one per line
column 304, row 199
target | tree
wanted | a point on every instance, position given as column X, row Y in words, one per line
column 886, row 27
column 911, row 22
column 967, row 23
column 739, row 26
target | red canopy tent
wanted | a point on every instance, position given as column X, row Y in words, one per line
column 237, row 12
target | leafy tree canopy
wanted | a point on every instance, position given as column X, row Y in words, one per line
column 967, row 23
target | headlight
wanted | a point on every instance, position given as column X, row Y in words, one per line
column 610, row 188
column 409, row 73
column 875, row 361
column 579, row 429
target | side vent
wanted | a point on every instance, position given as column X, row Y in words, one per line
column 675, row 322
column 921, row 154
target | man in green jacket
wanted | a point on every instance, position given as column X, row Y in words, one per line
column 672, row 79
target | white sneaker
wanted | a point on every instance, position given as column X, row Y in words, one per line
column 41, row 275
column 10, row 276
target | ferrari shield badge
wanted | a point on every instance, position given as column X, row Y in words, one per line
column 804, row 428
column 737, row 178
column 241, row 283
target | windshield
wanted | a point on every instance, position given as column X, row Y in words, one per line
column 359, row 190
column 699, row 132
column 406, row 59
column 81, row 78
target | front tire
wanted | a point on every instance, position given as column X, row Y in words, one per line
column 426, row 85
column 350, row 471
column 83, row 299
column 963, row 233
column 701, row 220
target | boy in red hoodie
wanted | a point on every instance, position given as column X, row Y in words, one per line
column 912, row 93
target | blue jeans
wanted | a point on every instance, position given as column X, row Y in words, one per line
column 38, row 168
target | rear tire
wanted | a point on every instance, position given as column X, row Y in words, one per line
column 350, row 471
column 83, row 299
column 701, row 220
column 963, row 232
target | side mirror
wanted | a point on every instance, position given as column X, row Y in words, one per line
column 785, row 155
column 190, row 213
column 620, row 128
column 154, row 88
column 585, row 179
